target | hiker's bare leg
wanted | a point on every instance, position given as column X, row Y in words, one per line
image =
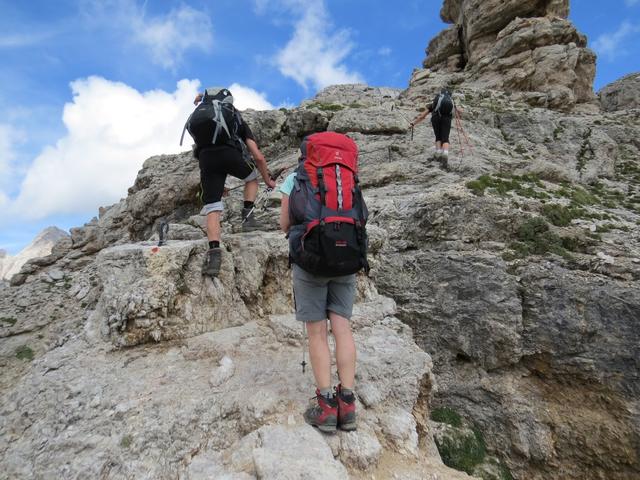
column 438, row 145
column 319, row 353
column 445, row 146
column 251, row 190
column 213, row 226
column 345, row 349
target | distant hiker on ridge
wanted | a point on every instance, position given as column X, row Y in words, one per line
column 442, row 108
column 324, row 216
column 222, row 139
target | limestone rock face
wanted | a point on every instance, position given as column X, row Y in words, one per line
column 515, row 274
column 623, row 94
column 524, row 46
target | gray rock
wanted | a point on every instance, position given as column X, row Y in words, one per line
column 292, row 453
column 623, row 94
column 516, row 46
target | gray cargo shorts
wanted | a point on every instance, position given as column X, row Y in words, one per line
column 316, row 296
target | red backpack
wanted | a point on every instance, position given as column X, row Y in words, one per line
column 327, row 212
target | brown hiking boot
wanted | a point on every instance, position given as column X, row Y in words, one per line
column 323, row 413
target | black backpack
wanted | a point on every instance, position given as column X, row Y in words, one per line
column 444, row 104
column 215, row 121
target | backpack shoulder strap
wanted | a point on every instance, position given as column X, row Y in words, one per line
column 437, row 109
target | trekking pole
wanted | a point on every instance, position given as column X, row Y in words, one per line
column 405, row 118
column 263, row 195
column 303, row 363
column 304, row 346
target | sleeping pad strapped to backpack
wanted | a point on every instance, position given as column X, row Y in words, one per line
column 327, row 212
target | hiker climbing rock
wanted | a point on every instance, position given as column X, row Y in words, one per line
column 322, row 204
column 442, row 109
column 224, row 145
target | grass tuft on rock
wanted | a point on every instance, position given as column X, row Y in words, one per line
column 8, row 320
column 446, row 415
column 23, row 352
column 126, row 441
column 502, row 184
column 463, row 452
column 326, row 107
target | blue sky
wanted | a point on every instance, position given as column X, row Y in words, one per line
column 91, row 88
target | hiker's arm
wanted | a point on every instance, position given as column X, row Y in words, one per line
column 284, row 213
column 420, row 118
column 261, row 163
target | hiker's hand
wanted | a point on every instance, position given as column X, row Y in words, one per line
column 197, row 99
column 271, row 183
column 225, row 192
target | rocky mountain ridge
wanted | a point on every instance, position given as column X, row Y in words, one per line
column 515, row 273
column 40, row 246
column 516, row 46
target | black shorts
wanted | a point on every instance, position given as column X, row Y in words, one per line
column 215, row 164
column 441, row 127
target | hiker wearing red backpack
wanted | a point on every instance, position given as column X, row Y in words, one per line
column 324, row 215
column 224, row 145
column 442, row 108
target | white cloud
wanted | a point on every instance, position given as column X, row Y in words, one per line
column 631, row 3
column 245, row 97
column 612, row 45
column 111, row 129
column 166, row 37
column 316, row 52
column 9, row 138
column 15, row 40
column 385, row 51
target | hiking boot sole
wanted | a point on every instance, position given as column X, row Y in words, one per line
column 348, row 427
column 326, row 428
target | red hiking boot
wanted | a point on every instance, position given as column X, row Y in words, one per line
column 346, row 410
column 323, row 414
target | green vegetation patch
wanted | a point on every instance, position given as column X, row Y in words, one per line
column 326, row 107
column 8, row 320
column 463, row 450
column 501, row 184
column 126, row 441
column 561, row 216
column 446, row 415
column 24, row 353
column 535, row 238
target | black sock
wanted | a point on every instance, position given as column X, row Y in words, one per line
column 214, row 244
column 248, row 204
column 346, row 393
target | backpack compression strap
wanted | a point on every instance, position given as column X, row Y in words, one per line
column 218, row 118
